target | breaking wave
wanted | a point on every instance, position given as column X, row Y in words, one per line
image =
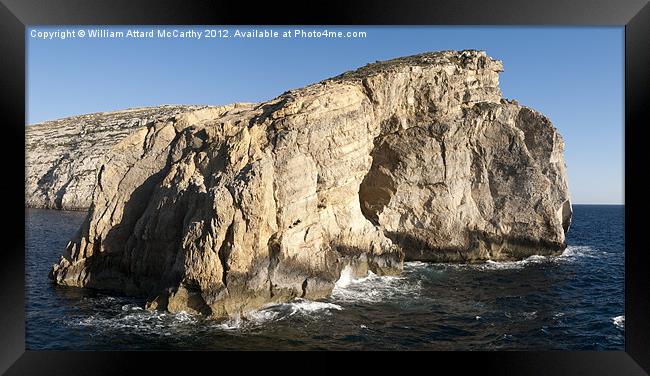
column 373, row 288
column 619, row 322
column 137, row 320
column 498, row 265
column 276, row 312
column 577, row 252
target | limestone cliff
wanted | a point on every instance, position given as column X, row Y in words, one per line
column 222, row 210
column 62, row 156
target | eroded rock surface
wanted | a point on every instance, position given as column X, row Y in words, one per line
column 222, row 210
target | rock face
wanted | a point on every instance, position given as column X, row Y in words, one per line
column 63, row 156
column 222, row 210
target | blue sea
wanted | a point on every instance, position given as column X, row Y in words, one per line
column 574, row 301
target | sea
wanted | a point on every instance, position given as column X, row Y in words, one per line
column 574, row 301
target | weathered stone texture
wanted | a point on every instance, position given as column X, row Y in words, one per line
column 62, row 156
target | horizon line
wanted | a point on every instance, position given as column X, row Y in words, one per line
column 598, row 203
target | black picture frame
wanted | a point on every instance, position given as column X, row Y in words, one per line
column 16, row 15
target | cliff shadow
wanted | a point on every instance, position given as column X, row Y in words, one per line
column 108, row 267
column 481, row 247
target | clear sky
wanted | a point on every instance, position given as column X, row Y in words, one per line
column 574, row 75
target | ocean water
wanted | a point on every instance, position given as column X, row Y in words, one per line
column 570, row 302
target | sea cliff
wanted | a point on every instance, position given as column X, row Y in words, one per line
column 221, row 210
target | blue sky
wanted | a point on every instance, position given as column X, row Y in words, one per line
column 573, row 75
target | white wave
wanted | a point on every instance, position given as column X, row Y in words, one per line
column 134, row 318
column 346, row 277
column 576, row 252
column 499, row 265
column 619, row 322
column 184, row 317
column 276, row 312
column 233, row 323
column 137, row 320
column 529, row 315
column 415, row 264
column 303, row 305
column 374, row 288
column 284, row 310
column 520, row 264
column 131, row 307
column 263, row 315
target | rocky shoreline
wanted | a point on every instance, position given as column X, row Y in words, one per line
column 222, row 209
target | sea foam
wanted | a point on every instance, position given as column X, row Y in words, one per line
column 275, row 312
column 619, row 322
column 374, row 288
